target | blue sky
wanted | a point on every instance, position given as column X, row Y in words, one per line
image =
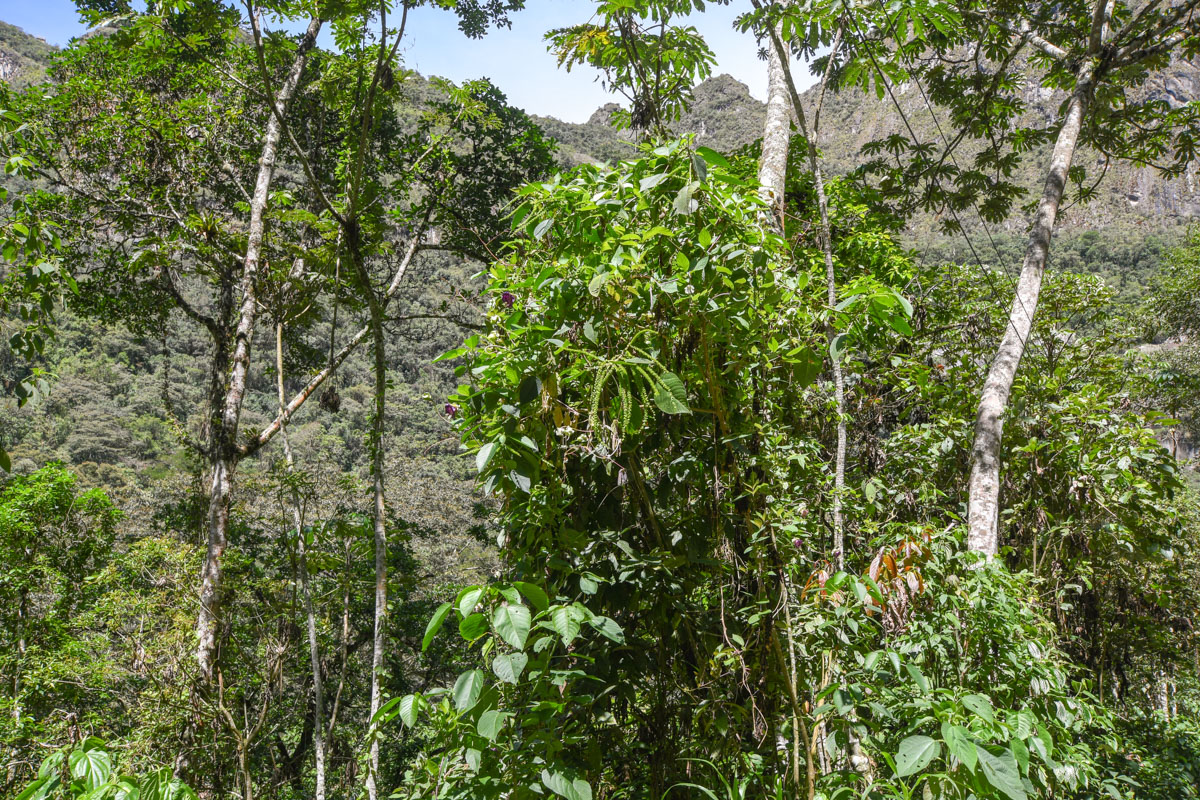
column 515, row 60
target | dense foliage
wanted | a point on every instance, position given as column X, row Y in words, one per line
column 667, row 498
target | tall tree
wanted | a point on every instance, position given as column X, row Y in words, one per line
column 1104, row 56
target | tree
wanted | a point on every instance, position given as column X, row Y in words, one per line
column 1102, row 55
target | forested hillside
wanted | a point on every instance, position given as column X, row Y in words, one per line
column 364, row 436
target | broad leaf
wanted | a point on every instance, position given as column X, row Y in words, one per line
column 1001, row 772
column 533, row 594
column 961, row 746
column 561, row 785
column 670, row 395
column 914, row 755
column 980, row 705
column 90, row 765
column 565, row 623
column 467, row 690
column 473, row 627
column 508, row 668
column 409, row 705
column 512, row 622
column 490, row 724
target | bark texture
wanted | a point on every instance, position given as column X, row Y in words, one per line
column 772, row 165
column 983, row 507
column 224, row 448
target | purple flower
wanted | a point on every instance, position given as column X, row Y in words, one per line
column 796, row 543
column 507, row 299
column 451, row 410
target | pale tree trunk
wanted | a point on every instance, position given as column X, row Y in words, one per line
column 314, row 649
column 381, row 577
column 224, row 446
column 772, row 164
column 983, row 508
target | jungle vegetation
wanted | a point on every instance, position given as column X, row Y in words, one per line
column 365, row 436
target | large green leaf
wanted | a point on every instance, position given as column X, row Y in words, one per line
column 469, row 598
column 508, row 668
column 90, row 764
column 670, row 395
column 914, row 754
column 512, row 622
column 565, row 623
column 472, row 627
column 980, row 705
column 961, row 746
column 39, row 788
column 435, row 624
column 563, row 786
column 1001, row 772
column 409, row 705
column 608, row 628
column 484, row 456
column 534, row 594
column 467, row 689
column 490, row 724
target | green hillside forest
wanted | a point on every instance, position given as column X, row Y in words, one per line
column 364, row 436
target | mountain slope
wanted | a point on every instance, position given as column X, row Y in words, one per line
column 23, row 58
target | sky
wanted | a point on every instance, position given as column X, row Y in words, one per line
column 514, row 59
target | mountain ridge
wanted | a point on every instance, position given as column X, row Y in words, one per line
column 725, row 116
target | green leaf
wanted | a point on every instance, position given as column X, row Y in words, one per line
column 534, row 594
column 38, row 789
column 508, row 668
column 1021, row 754
column 512, row 622
column 596, row 284
column 409, row 705
column 529, row 389
column 468, row 598
column 961, row 746
column 1001, row 772
column 914, row 755
column 608, row 628
column 5, row 462
column 684, row 204
column 837, row 348
column 467, row 689
column 565, row 623
column 473, row 626
column 490, row 724
column 670, row 395
column 918, row 677
column 484, row 456
column 542, row 227
column 650, row 181
column 90, row 764
column 712, row 157
column 561, row 785
column 435, row 624
column 981, row 705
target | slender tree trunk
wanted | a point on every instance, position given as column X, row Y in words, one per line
column 983, row 510
column 381, row 577
column 224, row 446
column 772, row 164
column 314, row 649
